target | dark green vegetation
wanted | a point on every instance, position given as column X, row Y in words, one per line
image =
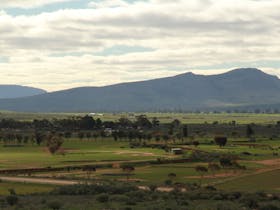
column 16, row 91
column 241, row 89
column 126, row 196
column 131, row 161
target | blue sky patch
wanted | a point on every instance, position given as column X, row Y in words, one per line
column 71, row 4
column 123, row 49
column 4, row 59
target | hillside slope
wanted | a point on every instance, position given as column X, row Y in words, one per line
column 240, row 87
column 17, row 91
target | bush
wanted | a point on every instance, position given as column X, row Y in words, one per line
column 269, row 207
column 12, row 200
column 168, row 182
column 138, row 195
column 55, row 205
column 153, row 187
column 94, row 189
column 102, row 198
column 119, row 198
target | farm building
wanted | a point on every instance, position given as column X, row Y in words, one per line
column 177, row 151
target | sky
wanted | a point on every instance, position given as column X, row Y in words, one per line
column 60, row 44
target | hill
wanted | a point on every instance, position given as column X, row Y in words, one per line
column 236, row 88
column 17, row 91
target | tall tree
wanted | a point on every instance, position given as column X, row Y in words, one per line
column 54, row 142
column 221, row 140
column 185, row 131
column 201, row 170
column 128, row 169
column 249, row 131
column 39, row 137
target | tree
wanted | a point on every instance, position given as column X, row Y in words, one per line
column 213, row 167
column 185, row 131
column 124, row 122
column 155, row 122
column 226, row 161
column 19, row 138
column 98, row 123
column 128, row 169
column 87, row 123
column 89, row 170
column 39, row 137
column 249, row 131
column 54, row 142
column 172, row 176
column 201, row 170
column 221, row 140
column 143, row 121
column 176, row 123
column 165, row 138
column 88, row 134
column 81, row 135
column 179, row 136
column 195, row 143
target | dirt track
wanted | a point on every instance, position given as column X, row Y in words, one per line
column 68, row 182
column 38, row 180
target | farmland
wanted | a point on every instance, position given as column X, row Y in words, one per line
column 196, row 118
column 137, row 151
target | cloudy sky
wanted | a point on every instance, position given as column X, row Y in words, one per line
column 58, row 44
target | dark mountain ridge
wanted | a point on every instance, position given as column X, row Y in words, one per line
column 17, row 91
column 240, row 87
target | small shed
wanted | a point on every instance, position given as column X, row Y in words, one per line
column 177, row 151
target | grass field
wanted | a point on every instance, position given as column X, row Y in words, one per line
column 191, row 118
column 23, row 188
column 267, row 181
column 75, row 153
column 102, row 151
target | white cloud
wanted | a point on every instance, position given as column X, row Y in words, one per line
column 107, row 4
column 185, row 35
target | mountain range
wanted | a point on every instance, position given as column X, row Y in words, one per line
column 17, row 91
column 236, row 88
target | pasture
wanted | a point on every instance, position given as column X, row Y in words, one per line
column 142, row 155
column 107, row 151
column 190, row 118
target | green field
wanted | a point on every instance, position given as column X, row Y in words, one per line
column 267, row 181
column 190, row 118
column 23, row 188
column 96, row 152
column 260, row 157
column 76, row 152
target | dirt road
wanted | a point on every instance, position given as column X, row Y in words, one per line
column 39, row 180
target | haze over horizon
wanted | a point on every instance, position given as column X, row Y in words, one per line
column 61, row 44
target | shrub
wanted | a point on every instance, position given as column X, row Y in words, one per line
column 168, row 182
column 102, row 198
column 270, row 207
column 153, row 187
column 12, row 200
column 221, row 140
column 119, row 198
column 55, row 205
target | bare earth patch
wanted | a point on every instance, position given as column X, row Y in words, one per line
column 221, row 175
column 39, row 181
column 131, row 180
column 272, row 162
column 148, row 154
